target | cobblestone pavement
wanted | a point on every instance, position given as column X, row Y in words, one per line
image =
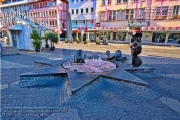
column 104, row 98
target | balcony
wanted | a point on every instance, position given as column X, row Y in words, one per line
column 75, row 26
column 176, row 16
column 160, row 18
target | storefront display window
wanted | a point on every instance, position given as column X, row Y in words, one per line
column 104, row 36
column 159, row 37
column 174, row 38
column 119, row 36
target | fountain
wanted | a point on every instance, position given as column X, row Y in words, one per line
column 80, row 64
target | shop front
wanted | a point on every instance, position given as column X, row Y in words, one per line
column 113, row 34
column 161, row 35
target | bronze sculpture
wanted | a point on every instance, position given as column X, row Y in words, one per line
column 79, row 57
column 116, row 57
column 136, row 49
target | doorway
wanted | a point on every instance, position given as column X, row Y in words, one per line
column 14, row 38
column 136, row 37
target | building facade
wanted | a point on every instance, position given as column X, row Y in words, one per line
column 147, row 21
column 120, row 20
column 164, row 23
column 18, row 18
column 83, row 18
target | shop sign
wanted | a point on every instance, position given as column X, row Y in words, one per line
column 170, row 28
column 177, row 28
column 163, row 28
column 160, row 28
column 111, row 28
column 98, row 24
column 82, row 28
column 137, row 30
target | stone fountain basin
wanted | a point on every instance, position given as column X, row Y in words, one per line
column 90, row 65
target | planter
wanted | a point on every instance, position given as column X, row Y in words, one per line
column 66, row 42
column 78, row 42
column 97, row 43
column 37, row 49
column 85, row 42
column 47, row 46
column 52, row 48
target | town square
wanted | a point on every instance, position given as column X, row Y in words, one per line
column 90, row 59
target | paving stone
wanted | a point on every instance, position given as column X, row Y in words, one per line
column 104, row 98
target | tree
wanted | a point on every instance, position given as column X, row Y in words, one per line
column 37, row 43
column 53, row 38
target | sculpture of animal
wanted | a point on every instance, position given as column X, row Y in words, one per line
column 79, row 57
column 116, row 57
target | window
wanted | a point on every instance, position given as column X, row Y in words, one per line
column 82, row 10
column 119, row 36
column 110, row 15
column 174, row 38
column 118, row 15
column 86, row 10
column 109, row 1
column 159, row 37
column 102, row 15
column 76, row 11
column 158, row 11
column 127, row 15
column 114, row 15
column 124, row 1
column 72, row 11
column 122, row 15
column 118, row 1
column 103, row 2
column 104, row 35
column 134, row 0
column 131, row 14
column 176, row 10
column 141, row 13
column 81, row 0
column 164, row 11
column 92, row 9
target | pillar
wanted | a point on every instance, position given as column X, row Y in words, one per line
column 167, row 35
column 88, row 35
column 76, row 34
column 111, row 36
column 10, row 37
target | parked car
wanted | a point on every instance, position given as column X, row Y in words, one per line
column 171, row 41
column 178, row 41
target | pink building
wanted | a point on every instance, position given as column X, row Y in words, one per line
column 164, row 23
column 148, row 21
column 51, row 14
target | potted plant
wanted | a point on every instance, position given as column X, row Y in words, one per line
column 37, row 43
column 66, row 41
column 86, row 41
column 97, row 42
column 77, row 40
column 54, row 39
column 72, row 41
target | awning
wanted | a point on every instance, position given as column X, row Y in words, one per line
column 17, row 27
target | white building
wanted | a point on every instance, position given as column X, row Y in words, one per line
column 83, row 18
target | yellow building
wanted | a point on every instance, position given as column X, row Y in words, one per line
column 121, row 18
